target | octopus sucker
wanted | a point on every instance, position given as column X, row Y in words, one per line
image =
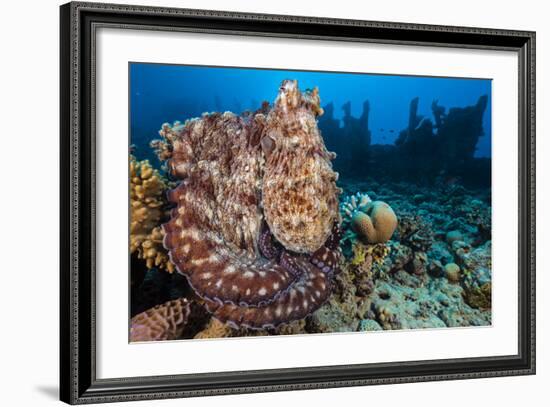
column 255, row 229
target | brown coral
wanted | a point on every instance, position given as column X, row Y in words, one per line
column 478, row 296
column 215, row 329
column 160, row 323
column 255, row 229
column 147, row 188
column 477, row 277
column 452, row 272
column 415, row 232
column 376, row 224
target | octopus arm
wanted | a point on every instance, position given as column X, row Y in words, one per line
column 301, row 299
column 217, row 274
column 327, row 260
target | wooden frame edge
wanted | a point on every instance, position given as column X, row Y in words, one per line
column 78, row 384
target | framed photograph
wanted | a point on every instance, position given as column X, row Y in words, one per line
column 255, row 203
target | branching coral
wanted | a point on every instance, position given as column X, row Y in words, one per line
column 162, row 322
column 147, row 188
column 373, row 221
column 255, row 230
column 353, row 203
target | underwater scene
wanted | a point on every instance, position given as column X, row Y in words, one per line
column 276, row 202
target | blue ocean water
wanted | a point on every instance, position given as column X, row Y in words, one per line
column 166, row 93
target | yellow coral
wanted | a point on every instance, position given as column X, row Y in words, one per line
column 378, row 252
column 214, row 329
column 147, row 189
column 293, row 328
column 359, row 254
column 365, row 255
column 361, row 265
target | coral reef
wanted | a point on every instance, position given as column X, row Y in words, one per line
column 452, row 272
column 424, row 279
column 373, row 221
column 377, row 224
column 245, row 207
column 414, row 232
column 147, row 188
column 477, row 275
column 435, row 304
column 255, row 230
column 215, row 329
column 419, row 279
column 161, row 323
column 453, row 236
column 332, row 317
column 369, row 325
column 477, row 288
column 360, row 266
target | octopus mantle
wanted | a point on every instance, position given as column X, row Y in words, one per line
column 255, row 228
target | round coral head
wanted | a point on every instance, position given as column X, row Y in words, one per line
column 376, row 224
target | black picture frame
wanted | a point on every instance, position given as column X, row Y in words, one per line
column 78, row 382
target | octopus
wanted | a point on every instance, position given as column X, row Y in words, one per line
column 255, row 225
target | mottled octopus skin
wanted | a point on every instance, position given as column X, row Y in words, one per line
column 300, row 196
column 255, row 228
